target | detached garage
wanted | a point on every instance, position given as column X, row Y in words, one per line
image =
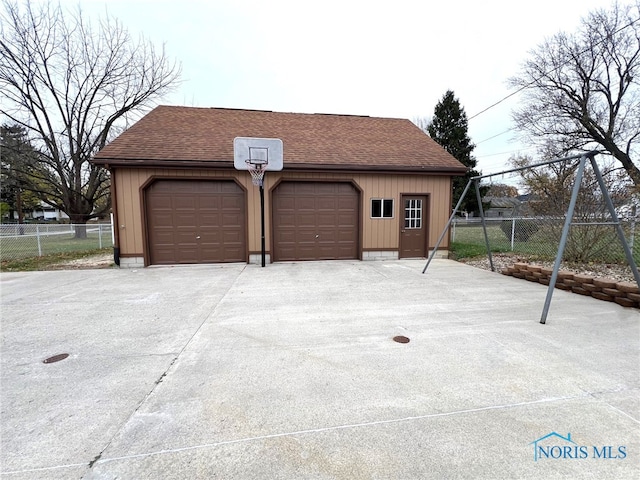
column 352, row 187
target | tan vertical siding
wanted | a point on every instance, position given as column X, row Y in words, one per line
column 129, row 212
column 377, row 234
column 384, row 233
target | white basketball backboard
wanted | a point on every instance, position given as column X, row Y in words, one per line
column 257, row 150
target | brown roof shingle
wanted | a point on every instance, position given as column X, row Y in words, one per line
column 188, row 136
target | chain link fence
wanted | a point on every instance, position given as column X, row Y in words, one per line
column 539, row 238
column 19, row 241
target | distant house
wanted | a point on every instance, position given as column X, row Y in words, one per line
column 42, row 212
column 502, row 207
column 47, row 212
column 508, row 207
column 352, row 187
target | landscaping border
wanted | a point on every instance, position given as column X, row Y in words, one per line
column 626, row 294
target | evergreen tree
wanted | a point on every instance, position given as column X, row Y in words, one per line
column 17, row 183
column 448, row 128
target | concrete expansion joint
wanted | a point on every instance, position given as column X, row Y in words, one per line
column 164, row 374
column 135, row 355
column 619, row 389
column 312, row 431
column 97, row 458
column 160, row 379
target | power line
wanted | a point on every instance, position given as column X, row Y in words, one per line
column 549, row 72
column 502, row 100
column 504, row 153
column 494, row 136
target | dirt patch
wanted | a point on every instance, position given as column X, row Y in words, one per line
column 104, row 260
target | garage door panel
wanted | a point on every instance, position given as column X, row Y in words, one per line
column 286, row 237
column 180, row 211
column 210, row 220
column 225, row 187
column 288, row 251
column 181, row 188
column 344, row 204
column 232, row 203
column 306, row 236
column 344, row 236
column 305, row 204
column 324, row 220
column 207, row 236
column 185, row 237
column 230, row 221
column 161, row 187
column 163, row 220
column 231, row 239
column 164, row 239
column 180, row 202
column 306, row 252
column 165, row 255
column 185, row 221
column 232, row 252
column 286, row 202
column 328, row 252
column 345, row 221
column 329, row 204
column 286, row 219
column 183, row 202
column 305, row 221
column 330, row 189
column 302, row 188
column 210, row 254
column 186, row 254
column 311, row 219
column 163, row 203
column 209, row 205
column 326, row 239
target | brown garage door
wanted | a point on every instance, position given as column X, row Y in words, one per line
column 315, row 221
column 195, row 221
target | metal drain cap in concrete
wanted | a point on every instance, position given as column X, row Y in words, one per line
column 401, row 339
column 56, row 358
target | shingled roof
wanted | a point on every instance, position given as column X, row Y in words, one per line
column 188, row 136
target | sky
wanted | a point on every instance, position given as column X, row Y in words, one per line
column 384, row 59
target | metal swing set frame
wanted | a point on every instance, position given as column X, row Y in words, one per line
column 567, row 223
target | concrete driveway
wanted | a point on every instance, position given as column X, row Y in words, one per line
column 290, row 371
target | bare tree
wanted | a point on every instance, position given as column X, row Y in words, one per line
column 422, row 123
column 73, row 86
column 550, row 188
column 580, row 90
column 502, row 190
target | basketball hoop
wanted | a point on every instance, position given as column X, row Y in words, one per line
column 258, row 155
column 256, row 169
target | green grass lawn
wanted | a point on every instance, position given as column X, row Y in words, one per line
column 26, row 246
column 596, row 244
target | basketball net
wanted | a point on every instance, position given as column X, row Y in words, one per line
column 257, row 171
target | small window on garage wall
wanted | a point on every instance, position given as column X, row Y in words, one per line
column 382, row 208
